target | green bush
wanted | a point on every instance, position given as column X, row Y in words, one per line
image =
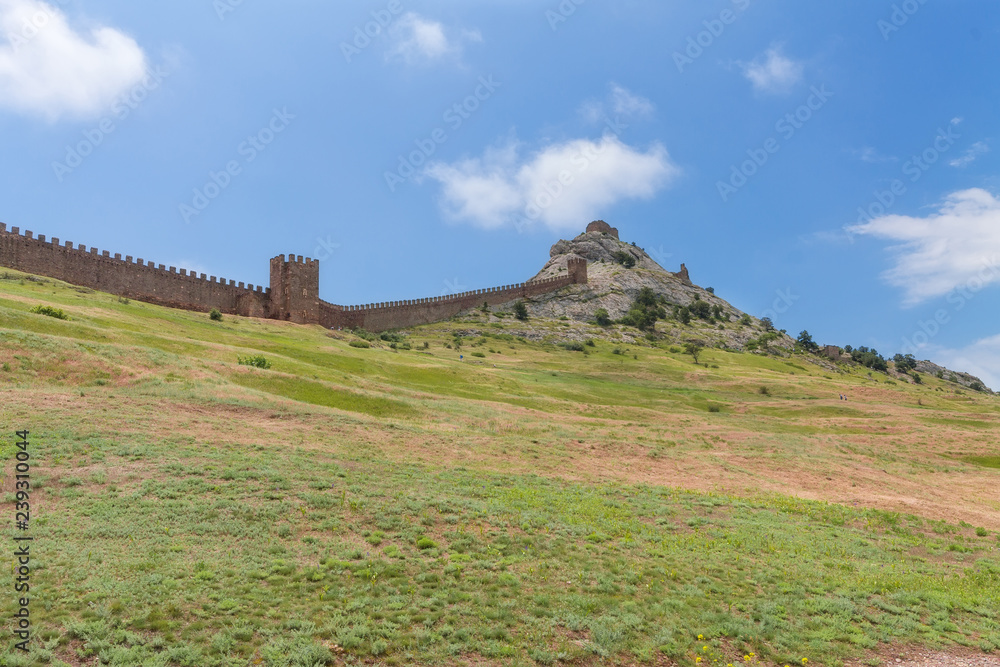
column 573, row 346
column 601, row 317
column 215, row 315
column 257, row 361
column 477, row 354
column 520, row 311
column 50, row 312
column 624, row 258
column 425, row 543
column 363, row 344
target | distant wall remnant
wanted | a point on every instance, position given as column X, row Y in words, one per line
column 834, row 352
column 293, row 295
column 603, row 228
column 683, row 275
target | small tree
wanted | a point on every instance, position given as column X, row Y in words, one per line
column 694, row 349
column 485, row 307
column 601, row 317
column 904, row 363
column 710, row 290
column 520, row 311
column 806, row 342
column 767, row 323
column 215, row 315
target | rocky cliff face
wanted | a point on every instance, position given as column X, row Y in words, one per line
column 611, row 284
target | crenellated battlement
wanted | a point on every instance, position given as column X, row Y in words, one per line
column 293, row 294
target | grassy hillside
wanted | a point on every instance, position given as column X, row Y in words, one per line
column 526, row 504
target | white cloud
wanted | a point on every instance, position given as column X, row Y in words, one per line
column 981, row 358
column 872, row 156
column 48, row 68
column 957, row 245
column 559, row 186
column 416, row 40
column 772, row 72
column 970, row 155
column 620, row 102
column 627, row 104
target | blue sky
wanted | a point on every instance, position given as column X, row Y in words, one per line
column 833, row 165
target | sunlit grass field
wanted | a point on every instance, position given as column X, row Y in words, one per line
column 525, row 504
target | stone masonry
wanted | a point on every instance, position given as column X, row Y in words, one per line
column 293, row 295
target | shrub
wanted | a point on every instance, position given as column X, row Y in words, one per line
column 477, row 354
column 426, row 345
column 50, row 312
column 767, row 323
column 624, row 258
column 701, row 309
column 520, row 311
column 215, row 315
column 764, row 391
column 601, row 317
column 590, row 343
column 714, row 408
column 257, row 361
column 363, row 344
column 977, row 386
column 573, row 346
column 745, row 320
column 425, row 543
column 710, row 290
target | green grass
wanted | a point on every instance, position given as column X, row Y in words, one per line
column 985, row 461
column 399, row 506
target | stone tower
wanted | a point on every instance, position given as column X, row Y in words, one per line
column 577, row 268
column 295, row 289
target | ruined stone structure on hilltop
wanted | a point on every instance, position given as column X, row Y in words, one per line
column 603, row 228
column 293, row 295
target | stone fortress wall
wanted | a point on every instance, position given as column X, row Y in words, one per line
column 292, row 296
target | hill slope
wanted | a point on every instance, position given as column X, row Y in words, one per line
column 525, row 503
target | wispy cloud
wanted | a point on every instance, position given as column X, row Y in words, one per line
column 872, row 156
column 49, row 69
column 558, row 186
column 415, row 39
column 620, row 102
column 772, row 72
column 944, row 250
column 970, row 155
